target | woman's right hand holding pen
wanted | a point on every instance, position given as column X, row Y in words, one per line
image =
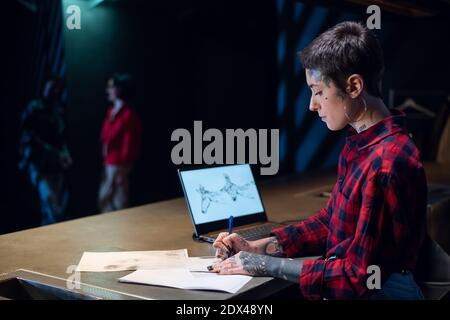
column 227, row 245
column 263, row 257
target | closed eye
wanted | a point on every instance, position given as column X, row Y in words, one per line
column 318, row 93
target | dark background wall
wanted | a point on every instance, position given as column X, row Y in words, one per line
column 231, row 64
column 416, row 51
column 191, row 61
column 20, row 37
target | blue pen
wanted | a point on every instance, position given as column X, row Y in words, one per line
column 230, row 225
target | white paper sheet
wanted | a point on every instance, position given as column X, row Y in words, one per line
column 200, row 264
column 182, row 278
column 132, row 260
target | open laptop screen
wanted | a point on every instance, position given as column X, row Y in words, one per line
column 214, row 194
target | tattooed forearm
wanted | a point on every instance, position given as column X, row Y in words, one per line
column 290, row 270
column 255, row 264
column 262, row 265
column 268, row 246
column 273, row 248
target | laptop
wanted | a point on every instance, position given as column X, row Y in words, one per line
column 213, row 194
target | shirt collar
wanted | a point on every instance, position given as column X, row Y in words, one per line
column 394, row 123
column 114, row 110
column 117, row 106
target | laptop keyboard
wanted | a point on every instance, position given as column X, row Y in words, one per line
column 256, row 232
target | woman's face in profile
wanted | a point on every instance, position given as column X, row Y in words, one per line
column 327, row 100
column 111, row 91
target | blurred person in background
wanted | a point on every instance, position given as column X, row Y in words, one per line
column 121, row 141
column 44, row 154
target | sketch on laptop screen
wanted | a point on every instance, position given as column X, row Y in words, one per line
column 216, row 193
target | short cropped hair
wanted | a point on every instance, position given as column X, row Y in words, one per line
column 124, row 83
column 343, row 50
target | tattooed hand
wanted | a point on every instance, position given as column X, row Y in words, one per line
column 254, row 264
column 227, row 245
column 243, row 263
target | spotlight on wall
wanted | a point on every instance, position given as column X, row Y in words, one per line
column 29, row 4
column 94, row 3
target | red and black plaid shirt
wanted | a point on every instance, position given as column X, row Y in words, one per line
column 376, row 215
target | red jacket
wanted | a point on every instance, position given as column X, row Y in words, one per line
column 121, row 137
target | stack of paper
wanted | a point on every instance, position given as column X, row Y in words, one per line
column 132, row 260
column 171, row 268
column 184, row 279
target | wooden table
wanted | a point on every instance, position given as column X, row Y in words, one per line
column 47, row 252
column 51, row 250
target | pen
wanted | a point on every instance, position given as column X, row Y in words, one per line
column 230, row 231
column 230, row 225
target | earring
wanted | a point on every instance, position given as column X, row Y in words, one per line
column 346, row 114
